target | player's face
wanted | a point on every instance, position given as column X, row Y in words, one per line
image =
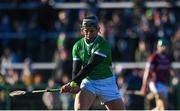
column 89, row 32
column 162, row 48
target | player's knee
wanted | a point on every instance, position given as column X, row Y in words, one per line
column 115, row 105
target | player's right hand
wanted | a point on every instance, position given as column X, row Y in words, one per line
column 67, row 88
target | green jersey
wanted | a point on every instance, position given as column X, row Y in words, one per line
column 82, row 51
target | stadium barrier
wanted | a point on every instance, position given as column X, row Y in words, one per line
column 123, row 65
column 111, row 5
column 82, row 5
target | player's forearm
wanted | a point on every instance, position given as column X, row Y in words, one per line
column 83, row 73
column 93, row 62
column 145, row 77
column 146, row 73
column 76, row 68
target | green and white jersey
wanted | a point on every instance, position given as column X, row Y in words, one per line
column 83, row 51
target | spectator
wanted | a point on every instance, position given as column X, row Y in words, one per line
column 27, row 73
column 134, row 82
column 62, row 24
column 61, row 44
column 12, row 77
column 8, row 57
column 2, row 93
column 123, row 88
column 62, row 59
column 141, row 52
column 52, row 100
column 65, row 98
column 176, row 49
column 5, row 24
column 37, row 79
column 176, row 45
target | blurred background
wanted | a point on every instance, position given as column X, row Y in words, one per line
column 36, row 39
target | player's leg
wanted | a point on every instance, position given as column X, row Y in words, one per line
column 108, row 93
column 163, row 100
column 161, row 94
column 116, row 104
column 84, row 100
column 159, row 103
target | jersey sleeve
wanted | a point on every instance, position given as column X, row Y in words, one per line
column 75, row 54
column 152, row 60
column 102, row 49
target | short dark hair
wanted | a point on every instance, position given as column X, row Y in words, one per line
column 162, row 42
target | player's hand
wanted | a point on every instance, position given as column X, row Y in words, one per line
column 75, row 90
column 67, row 88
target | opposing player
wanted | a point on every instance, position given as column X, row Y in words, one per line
column 157, row 73
column 92, row 69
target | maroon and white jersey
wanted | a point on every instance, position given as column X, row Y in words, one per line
column 160, row 65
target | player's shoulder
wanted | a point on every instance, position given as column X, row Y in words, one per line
column 78, row 42
column 102, row 40
column 153, row 56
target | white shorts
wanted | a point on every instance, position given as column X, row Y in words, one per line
column 105, row 89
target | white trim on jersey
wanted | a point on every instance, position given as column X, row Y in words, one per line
column 148, row 64
column 101, row 54
column 91, row 42
column 76, row 59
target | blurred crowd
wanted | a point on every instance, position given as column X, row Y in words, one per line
column 132, row 34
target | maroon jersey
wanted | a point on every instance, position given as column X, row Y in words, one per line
column 160, row 65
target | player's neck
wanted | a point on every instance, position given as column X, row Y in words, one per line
column 161, row 52
column 90, row 41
